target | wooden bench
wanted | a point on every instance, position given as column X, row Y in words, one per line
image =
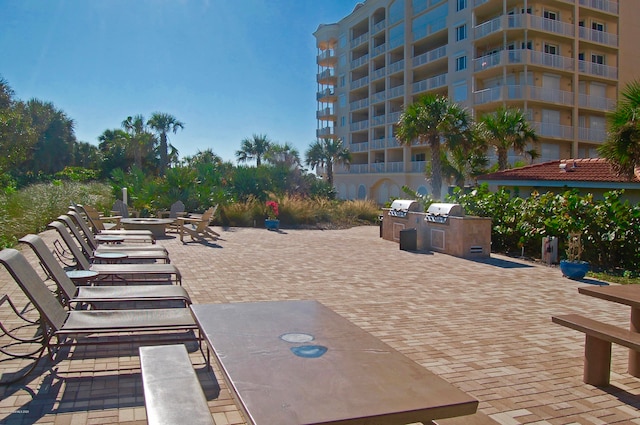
column 475, row 419
column 172, row 392
column 597, row 348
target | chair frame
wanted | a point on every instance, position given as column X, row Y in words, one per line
column 199, row 229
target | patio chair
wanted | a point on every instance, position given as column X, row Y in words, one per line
column 62, row 328
column 176, row 211
column 122, row 209
column 198, row 228
column 124, row 272
column 99, row 222
column 71, row 294
column 91, row 248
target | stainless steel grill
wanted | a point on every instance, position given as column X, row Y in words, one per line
column 400, row 207
column 440, row 212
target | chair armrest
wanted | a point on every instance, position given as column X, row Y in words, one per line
column 188, row 220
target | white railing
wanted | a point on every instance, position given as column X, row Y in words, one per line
column 551, row 95
column 377, row 167
column 379, row 50
column 327, row 73
column 550, row 25
column 379, row 73
column 592, row 134
column 395, row 167
column 547, row 59
column 326, row 131
column 358, row 168
column 380, row 96
column 393, row 118
column 360, row 61
column 418, row 166
column 379, row 26
column 360, row 82
column 325, row 93
column 598, row 69
column 392, row 142
column 324, row 113
column 396, row 92
column 596, row 102
column 487, row 61
column 430, row 56
column 378, row 143
column 378, row 120
column 359, row 125
column 327, row 54
column 359, row 104
column 559, row 131
column 396, row 66
column 604, row 5
column 359, row 40
column 359, row 147
column 601, row 37
column 430, row 83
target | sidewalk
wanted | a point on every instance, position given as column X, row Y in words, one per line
column 484, row 326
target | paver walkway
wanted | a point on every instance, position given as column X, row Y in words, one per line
column 484, row 326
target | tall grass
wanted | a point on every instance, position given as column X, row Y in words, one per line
column 32, row 208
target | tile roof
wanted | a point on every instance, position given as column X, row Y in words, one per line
column 585, row 170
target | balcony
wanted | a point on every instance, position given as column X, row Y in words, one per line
column 359, row 147
column 397, row 91
column 596, row 102
column 393, row 118
column 378, row 143
column 395, row 167
column 418, row 166
column 396, row 67
column 358, row 168
column 326, row 95
column 359, row 125
column 327, row 58
column 601, row 37
column 326, row 114
column 430, row 56
column 522, row 56
column 379, row 50
column 380, row 96
column 379, row 27
column 359, row 83
column 326, row 132
column 378, row 167
column 328, row 77
column 596, row 135
column 430, row 83
column 604, row 5
column 378, row 120
column 362, row 60
column 516, row 92
column 556, row 131
column 597, row 69
column 379, row 73
column 359, row 104
column 359, row 40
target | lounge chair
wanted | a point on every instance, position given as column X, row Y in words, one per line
column 71, row 294
column 124, row 272
column 90, row 246
column 98, row 222
column 63, row 328
column 81, row 211
column 127, row 237
column 198, row 228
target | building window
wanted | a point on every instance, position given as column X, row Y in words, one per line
column 461, row 32
column 342, row 100
column 597, row 26
column 461, row 63
column 343, row 121
column 417, row 157
column 552, row 49
column 342, row 80
column 550, row 15
column 460, row 92
column 597, row 58
column 461, row 4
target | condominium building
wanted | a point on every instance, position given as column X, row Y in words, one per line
column 562, row 62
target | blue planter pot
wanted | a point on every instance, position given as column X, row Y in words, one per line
column 574, row 269
column 272, row 224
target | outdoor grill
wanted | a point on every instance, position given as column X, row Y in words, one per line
column 400, row 207
column 440, row 212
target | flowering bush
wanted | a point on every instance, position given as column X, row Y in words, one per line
column 272, row 209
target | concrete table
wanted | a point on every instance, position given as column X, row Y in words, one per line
column 157, row 226
column 298, row 362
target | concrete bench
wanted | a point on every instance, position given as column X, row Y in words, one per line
column 597, row 348
column 475, row 419
column 172, row 392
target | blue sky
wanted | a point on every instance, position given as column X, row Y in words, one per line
column 226, row 68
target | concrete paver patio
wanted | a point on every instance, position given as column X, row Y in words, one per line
column 484, row 326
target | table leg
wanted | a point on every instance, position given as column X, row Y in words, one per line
column 634, row 356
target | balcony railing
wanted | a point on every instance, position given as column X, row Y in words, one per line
column 359, row 125
column 393, row 118
column 378, row 167
column 592, row 134
column 557, row 131
column 327, row 54
column 550, row 95
column 516, row 92
column 380, row 96
column 326, row 74
column 396, row 92
column 396, row 66
column 604, row 5
column 359, row 147
column 596, row 102
column 379, row 50
column 379, row 26
column 325, row 93
column 326, row 113
column 378, row 120
column 430, row 56
column 395, row 167
column 359, row 83
column 522, row 56
column 379, row 73
column 360, row 61
column 378, row 143
column 325, row 132
column 601, row 37
column 359, row 104
column 418, row 166
column 430, row 83
column 359, row 40
column 357, row 168
column 598, row 69
column 523, row 21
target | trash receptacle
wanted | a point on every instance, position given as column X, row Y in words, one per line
column 409, row 239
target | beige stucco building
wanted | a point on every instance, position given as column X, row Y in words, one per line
column 563, row 62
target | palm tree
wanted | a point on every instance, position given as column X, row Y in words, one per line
column 282, row 154
column 327, row 152
column 434, row 120
column 163, row 123
column 504, row 129
column 139, row 142
column 253, row 148
column 622, row 147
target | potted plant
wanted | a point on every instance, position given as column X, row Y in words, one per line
column 573, row 267
column 272, row 222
